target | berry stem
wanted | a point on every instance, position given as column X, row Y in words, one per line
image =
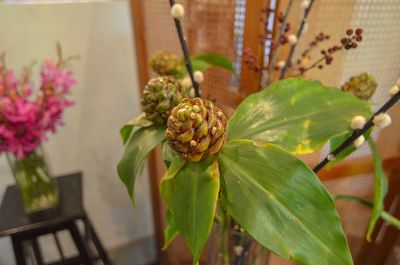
column 357, row 133
column 298, row 34
column 280, row 33
column 185, row 52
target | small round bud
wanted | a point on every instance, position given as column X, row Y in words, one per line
column 281, row 64
column 358, row 122
column 349, row 32
column 382, row 120
column 292, row 39
column 394, row 90
column 359, row 141
column 305, row 28
column 198, row 76
column 331, row 157
column 177, row 11
column 238, row 250
column 186, row 82
column 398, row 83
column 305, row 4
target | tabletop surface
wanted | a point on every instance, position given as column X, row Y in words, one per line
column 13, row 218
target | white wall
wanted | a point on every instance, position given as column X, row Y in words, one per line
column 106, row 97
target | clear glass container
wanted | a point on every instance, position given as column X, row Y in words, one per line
column 38, row 189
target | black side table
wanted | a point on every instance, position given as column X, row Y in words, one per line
column 24, row 230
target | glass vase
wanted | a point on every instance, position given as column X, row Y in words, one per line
column 38, row 189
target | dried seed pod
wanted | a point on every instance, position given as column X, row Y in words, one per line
column 362, row 86
column 196, row 129
column 160, row 95
column 164, row 63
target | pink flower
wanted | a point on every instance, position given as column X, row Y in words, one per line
column 27, row 114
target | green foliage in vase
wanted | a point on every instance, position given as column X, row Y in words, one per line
column 263, row 186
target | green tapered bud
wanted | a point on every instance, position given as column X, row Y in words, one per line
column 160, row 95
column 362, row 86
column 164, row 63
column 196, row 129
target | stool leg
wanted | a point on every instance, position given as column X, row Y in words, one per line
column 96, row 241
column 79, row 242
column 18, row 250
column 37, row 252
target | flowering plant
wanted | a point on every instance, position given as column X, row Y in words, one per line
column 243, row 171
column 27, row 113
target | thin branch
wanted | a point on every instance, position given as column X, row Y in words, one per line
column 357, row 133
column 281, row 32
column 293, row 47
column 185, row 52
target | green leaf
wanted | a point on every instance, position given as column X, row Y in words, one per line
column 139, row 121
column 380, row 188
column 298, row 115
column 190, row 190
column 139, row 145
column 171, row 231
column 168, row 154
column 337, row 141
column 214, row 60
column 281, row 203
column 387, row 217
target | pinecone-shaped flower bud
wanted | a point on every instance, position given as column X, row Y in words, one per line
column 160, row 96
column 196, row 129
column 164, row 63
column 362, row 86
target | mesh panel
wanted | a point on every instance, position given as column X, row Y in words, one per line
column 211, row 28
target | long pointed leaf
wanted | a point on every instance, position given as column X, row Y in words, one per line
column 171, row 231
column 191, row 190
column 282, row 204
column 298, row 115
column 139, row 121
column 380, row 188
column 139, row 145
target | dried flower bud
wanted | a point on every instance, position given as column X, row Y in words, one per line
column 160, row 95
column 177, row 11
column 358, row 122
column 196, row 129
column 382, row 120
column 359, row 141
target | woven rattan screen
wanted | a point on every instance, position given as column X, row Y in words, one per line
column 214, row 26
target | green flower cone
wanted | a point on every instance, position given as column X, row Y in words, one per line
column 164, row 63
column 196, row 129
column 362, row 86
column 160, row 95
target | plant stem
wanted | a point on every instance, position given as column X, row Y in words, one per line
column 357, row 133
column 298, row 34
column 390, row 219
column 185, row 52
column 276, row 51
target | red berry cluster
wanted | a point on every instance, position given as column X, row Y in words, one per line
column 353, row 36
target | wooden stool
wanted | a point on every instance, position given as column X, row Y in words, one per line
column 24, row 230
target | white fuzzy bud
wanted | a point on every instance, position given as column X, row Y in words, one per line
column 398, row 82
column 198, row 76
column 359, row 141
column 192, row 93
column 382, row 120
column 292, row 39
column 358, row 122
column 305, row 28
column 394, row 90
column 186, row 82
column 238, row 250
column 331, row 157
column 305, row 4
column 281, row 64
column 177, row 11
